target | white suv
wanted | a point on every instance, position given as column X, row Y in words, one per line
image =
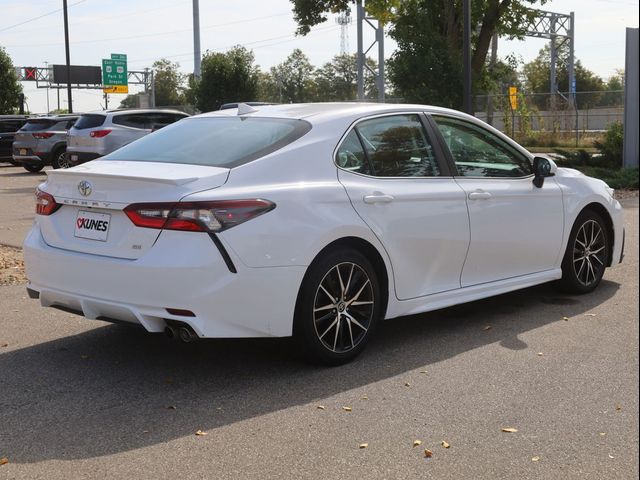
column 98, row 133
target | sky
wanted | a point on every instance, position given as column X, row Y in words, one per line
column 32, row 33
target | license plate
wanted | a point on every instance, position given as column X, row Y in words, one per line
column 74, row 158
column 91, row 225
column 23, row 151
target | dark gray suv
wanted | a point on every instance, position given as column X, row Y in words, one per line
column 42, row 141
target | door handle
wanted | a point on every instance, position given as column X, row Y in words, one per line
column 377, row 197
column 479, row 195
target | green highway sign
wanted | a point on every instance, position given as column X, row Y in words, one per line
column 114, row 70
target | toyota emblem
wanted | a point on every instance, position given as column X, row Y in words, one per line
column 85, row 187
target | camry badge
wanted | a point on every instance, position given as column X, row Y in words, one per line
column 84, row 187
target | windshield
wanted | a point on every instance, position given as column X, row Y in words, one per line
column 218, row 142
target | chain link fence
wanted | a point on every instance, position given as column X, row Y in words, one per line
column 552, row 119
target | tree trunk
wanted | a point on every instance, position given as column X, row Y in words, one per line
column 489, row 24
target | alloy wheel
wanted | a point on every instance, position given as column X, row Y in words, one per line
column 589, row 253
column 343, row 307
column 62, row 161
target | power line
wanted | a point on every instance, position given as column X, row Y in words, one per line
column 39, row 17
column 146, row 35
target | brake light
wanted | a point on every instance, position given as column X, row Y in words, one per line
column 42, row 135
column 99, row 133
column 45, row 203
column 214, row 216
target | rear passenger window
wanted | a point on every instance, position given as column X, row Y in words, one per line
column 134, row 121
column 351, row 155
column 397, row 146
column 89, row 121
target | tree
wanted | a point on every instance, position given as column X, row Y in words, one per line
column 130, row 101
column 226, row 77
column 337, row 80
column 294, row 78
column 10, row 87
column 169, row 83
column 537, row 78
column 428, row 63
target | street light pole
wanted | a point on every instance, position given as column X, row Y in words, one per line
column 66, row 47
column 197, row 57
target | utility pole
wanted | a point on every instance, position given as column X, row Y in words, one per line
column 360, row 54
column 46, row 64
column 197, row 57
column 466, row 56
column 66, row 47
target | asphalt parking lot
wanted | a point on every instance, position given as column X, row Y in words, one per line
column 86, row 399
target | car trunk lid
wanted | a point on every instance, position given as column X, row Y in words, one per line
column 91, row 219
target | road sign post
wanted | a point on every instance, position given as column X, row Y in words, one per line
column 513, row 102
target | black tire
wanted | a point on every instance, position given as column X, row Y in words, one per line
column 587, row 254
column 339, row 335
column 59, row 159
column 33, row 168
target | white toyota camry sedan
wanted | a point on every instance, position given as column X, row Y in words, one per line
column 313, row 220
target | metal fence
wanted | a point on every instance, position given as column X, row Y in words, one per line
column 560, row 115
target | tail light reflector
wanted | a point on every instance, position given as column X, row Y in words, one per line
column 213, row 216
column 42, row 135
column 99, row 133
column 45, row 203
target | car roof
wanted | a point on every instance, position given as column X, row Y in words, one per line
column 57, row 118
column 319, row 112
column 134, row 110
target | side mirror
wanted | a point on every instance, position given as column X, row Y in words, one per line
column 542, row 168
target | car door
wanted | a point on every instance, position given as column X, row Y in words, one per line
column 400, row 186
column 516, row 228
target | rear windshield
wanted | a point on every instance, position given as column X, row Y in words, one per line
column 89, row 121
column 218, row 142
column 36, row 125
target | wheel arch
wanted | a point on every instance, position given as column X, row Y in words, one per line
column 368, row 250
column 604, row 213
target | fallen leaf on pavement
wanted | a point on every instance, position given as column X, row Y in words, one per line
column 487, row 327
column 591, row 314
column 4, row 345
column 445, row 444
column 200, row 433
column 346, row 409
column 618, row 407
column 535, row 459
column 407, row 384
column 428, row 453
column 417, row 443
column 509, row 430
column 171, row 407
column 364, row 397
column 4, row 461
column 320, row 407
column 540, row 354
column 423, row 371
column 363, row 445
column 611, row 456
column 566, row 319
column 602, row 434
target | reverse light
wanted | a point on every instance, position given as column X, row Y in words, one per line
column 213, row 216
column 45, row 203
column 99, row 133
column 42, row 135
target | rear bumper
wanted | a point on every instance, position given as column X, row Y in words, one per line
column 76, row 158
column 31, row 159
column 182, row 271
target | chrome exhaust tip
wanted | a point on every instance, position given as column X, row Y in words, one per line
column 186, row 335
column 170, row 332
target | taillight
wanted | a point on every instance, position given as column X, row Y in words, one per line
column 45, row 203
column 214, row 216
column 42, row 135
column 99, row 133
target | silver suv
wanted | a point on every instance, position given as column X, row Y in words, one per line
column 98, row 133
column 42, row 141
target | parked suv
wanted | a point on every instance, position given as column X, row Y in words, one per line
column 42, row 141
column 98, row 133
column 9, row 125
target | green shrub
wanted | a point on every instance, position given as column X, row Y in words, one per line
column 611, row 145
